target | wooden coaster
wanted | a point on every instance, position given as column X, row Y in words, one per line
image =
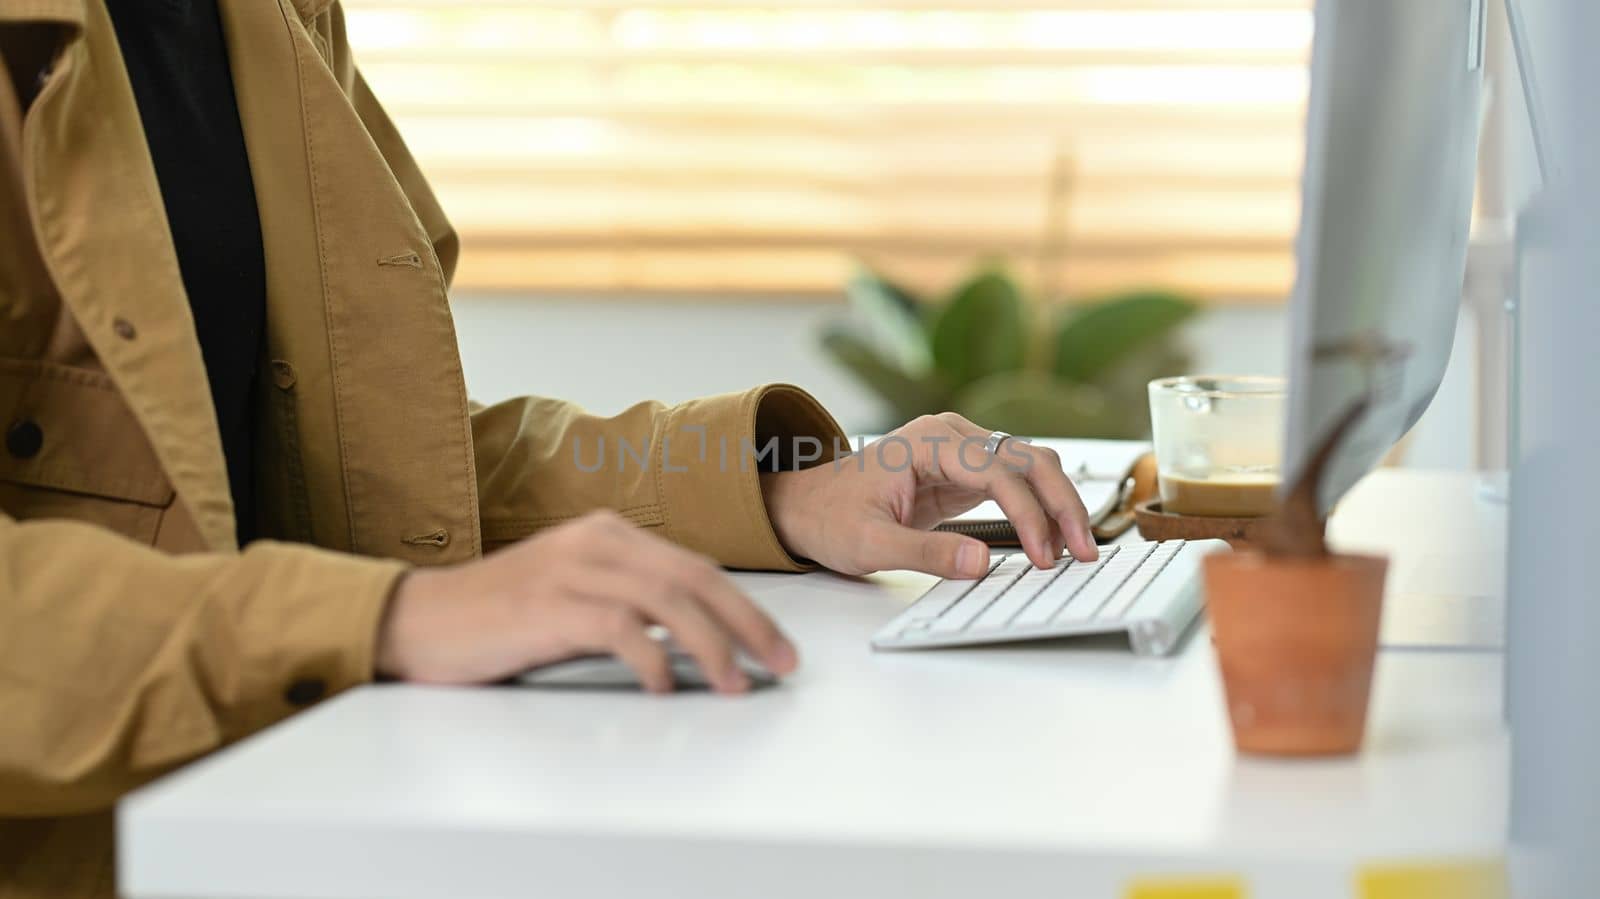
column 1155, row 524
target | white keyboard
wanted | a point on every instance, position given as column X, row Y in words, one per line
column 1149, row 590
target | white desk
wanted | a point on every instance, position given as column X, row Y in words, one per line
column 1060, row 771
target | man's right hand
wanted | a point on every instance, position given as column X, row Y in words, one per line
column 594, row 585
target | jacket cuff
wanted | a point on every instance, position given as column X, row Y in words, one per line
column 317, row 636
column 713, row 452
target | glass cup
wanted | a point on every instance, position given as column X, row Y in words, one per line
column 1218, row 441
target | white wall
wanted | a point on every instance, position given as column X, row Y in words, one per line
column 608, row 353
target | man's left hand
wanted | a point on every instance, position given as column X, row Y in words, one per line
column 873, row 510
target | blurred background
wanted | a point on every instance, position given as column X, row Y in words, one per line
column 893, row 203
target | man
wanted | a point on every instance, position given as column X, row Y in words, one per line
column 240, row 470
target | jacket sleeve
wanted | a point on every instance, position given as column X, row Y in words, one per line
column 689, row 470
column 118, row 662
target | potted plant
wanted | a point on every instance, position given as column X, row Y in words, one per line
column 1295, row 627
column 986, row 352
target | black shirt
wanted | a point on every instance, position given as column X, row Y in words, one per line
column 178, row 63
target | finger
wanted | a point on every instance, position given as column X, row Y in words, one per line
column 643, row 573
column 982, row 471
column 1041, row 468
column 971, row 465
column 1033, row 526
column 623, row 632
column 618, row 544
column 750, row 626
column 701, row 636
column 1058, row 540
column 660, row 601
column 894, row 546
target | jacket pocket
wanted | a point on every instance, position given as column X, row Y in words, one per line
column 73, row 450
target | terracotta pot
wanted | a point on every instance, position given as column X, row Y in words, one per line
column 1296, row 640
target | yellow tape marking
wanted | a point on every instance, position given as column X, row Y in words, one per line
column 1471, row 880
column 1187, row 888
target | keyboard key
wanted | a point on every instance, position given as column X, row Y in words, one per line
column 1025, row 589
column 1061, row 590
column 970, row 606
column 941, row 596
column 1088, row 601
column 1123, row 599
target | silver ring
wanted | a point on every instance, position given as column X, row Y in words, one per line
column 992, row 446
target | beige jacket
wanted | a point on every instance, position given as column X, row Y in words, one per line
column 134, row 636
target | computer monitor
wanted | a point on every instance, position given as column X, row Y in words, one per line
column 1391, row 159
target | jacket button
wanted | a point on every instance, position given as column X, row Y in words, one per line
column 124, row 329
column 305, row 691
column 282, row 374
column 24, row 439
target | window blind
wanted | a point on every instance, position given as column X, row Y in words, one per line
column 746, row 148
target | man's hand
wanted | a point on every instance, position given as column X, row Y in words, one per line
column 872, row 510
column 594, row 585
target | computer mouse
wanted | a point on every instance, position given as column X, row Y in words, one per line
column 604, row 672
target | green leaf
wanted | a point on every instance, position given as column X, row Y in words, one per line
column 1033, row 404
column 1095, row 339
column 907, row 394
column 983, row 330
column 894, row 319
